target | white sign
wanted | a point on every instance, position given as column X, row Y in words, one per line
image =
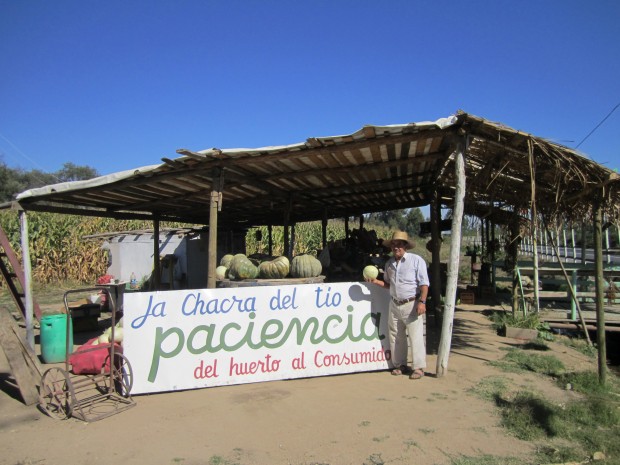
column 199, row 338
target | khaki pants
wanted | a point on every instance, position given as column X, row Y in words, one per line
column 406, row 331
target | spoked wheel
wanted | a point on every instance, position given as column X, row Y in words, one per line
column 56, row 396
column 122, row 374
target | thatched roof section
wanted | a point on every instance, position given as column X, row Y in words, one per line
column 377, row 168
column 566, row 182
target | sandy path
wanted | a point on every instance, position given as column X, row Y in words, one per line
column 364, row 418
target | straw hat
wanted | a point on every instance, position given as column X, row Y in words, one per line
column 400, row 236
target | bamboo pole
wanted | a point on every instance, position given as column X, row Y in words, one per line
column 600, row 291
column 453, row 264
column 570, row 287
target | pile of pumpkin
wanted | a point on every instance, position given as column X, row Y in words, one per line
column 239, row 266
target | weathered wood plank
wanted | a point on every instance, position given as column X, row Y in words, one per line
column 23, row 368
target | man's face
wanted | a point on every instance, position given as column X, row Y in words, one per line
column 398, row 249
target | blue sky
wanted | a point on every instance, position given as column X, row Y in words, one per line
column 120, row 84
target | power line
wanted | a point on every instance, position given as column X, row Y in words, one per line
column 598, row 125
column 28, row 158
column 19, row 152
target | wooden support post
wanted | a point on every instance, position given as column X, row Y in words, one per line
column 599, row 281
column 493, row 252
column 29, row 301
column 215, row 205
column 270, row 233
column 453, row 263
column 292, row 246
column 534, row 224
column 435, row 289
column 287, row 240
column 156, row 281
column 514, row 251
column 483, row 241
column 324, row 229
column 487, row 240
column 287, row 217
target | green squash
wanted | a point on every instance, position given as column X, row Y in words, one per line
column 242, row 268
column 277, row 268
column 227, row 260
column 306, row 266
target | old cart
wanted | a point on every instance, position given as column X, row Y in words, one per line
column 88, row 397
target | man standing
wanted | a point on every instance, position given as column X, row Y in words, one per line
column 406, row 277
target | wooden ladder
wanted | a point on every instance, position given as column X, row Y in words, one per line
column 13, row 274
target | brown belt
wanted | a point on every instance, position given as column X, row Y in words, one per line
column 403, row 302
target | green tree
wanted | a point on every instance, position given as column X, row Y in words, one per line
column 413, row 218
column 406, row 219
column 36, row 178
column 16, row 180
column 72, row 172
column 9, row 183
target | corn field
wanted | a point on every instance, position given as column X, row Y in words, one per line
column 58, row 251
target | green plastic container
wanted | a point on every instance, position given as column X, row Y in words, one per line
column 54, row 338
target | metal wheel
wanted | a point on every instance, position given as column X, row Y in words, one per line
column 122, row 374
column 56, row 395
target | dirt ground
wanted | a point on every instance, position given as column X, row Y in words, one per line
column 362, row 419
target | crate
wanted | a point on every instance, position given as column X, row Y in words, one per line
column 467, row 297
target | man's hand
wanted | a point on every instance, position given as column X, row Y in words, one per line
column 376, row 281
column 421, row 308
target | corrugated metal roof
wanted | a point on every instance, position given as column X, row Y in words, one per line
column 377, row 168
